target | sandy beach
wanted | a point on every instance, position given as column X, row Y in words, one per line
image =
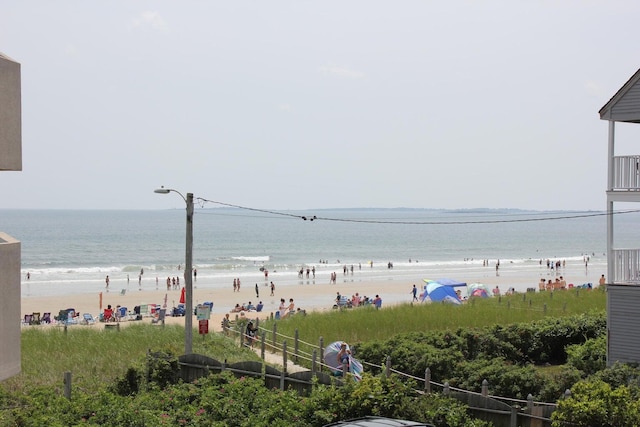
column 308, row 294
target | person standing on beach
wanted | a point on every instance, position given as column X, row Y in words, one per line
column 377, row 302
column 257, row 291
column 414, row 292
column 602, row 280
column 273, row 288
column 106, row 280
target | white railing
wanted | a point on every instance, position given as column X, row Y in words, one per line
column 626, row 266
column 626, row 173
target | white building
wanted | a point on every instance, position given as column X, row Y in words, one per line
column 10, row 160
column 623, row 263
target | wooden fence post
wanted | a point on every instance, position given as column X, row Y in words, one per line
column 263, row 344
column 67, row 385
column 445, row 389
column 514, row 417
column 321, row 350
column 273, row 337
column 296, row 345
column 427, row 380
column 314, row 357
column 387, row 368
column 284, row 355
column 485, row 387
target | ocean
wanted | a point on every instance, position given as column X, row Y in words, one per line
column 71, row 251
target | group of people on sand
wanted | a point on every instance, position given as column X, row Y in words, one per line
column 357, row 301
column 173, row 283
column 285, row 309
column 248, row 307
column 549, row 285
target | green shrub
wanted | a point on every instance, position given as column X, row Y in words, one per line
column 595, row 403
column 589, row 357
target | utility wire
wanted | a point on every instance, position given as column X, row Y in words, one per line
column 366, row 221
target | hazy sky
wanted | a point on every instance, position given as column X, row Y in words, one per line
column 325, row 104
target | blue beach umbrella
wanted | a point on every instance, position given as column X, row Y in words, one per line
column 439, row 292
column 331, row 359
column 450, row 282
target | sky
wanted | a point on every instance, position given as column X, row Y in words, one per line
column 327, row 104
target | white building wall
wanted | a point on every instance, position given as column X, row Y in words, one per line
column 10, row 261
column 10, row 115
column 10, row 249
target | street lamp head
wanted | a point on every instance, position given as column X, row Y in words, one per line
column 162, row 190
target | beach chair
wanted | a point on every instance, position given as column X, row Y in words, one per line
column 35, row 319
column 71, row 317
column 46, row 318
column 88, row 319
column 342, row 303
column 162, row 313
column 144, row 310
column 122, row 314
column 27, row 319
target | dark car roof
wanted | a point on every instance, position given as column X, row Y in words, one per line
column 377, row 422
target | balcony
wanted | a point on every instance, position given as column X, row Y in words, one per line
column 626, row 263
column 626, row 173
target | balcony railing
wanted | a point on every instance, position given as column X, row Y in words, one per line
column 626, row 266
column 626, row 171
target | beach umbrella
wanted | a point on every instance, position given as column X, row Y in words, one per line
column 331, row 360
column 478, row 290
column 450, row 282
column 182, row 295
column 439, row 292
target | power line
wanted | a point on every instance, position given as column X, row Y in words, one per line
column 367, row 221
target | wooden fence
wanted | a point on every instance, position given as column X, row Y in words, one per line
column 502, row 411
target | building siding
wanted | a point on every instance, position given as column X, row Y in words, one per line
column 623, row 325
column 9, row 306
column 10, row 115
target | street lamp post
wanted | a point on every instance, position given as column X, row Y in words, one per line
column 188, row 269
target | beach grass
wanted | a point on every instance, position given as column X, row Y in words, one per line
column 96, row 356
column 368, row 324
